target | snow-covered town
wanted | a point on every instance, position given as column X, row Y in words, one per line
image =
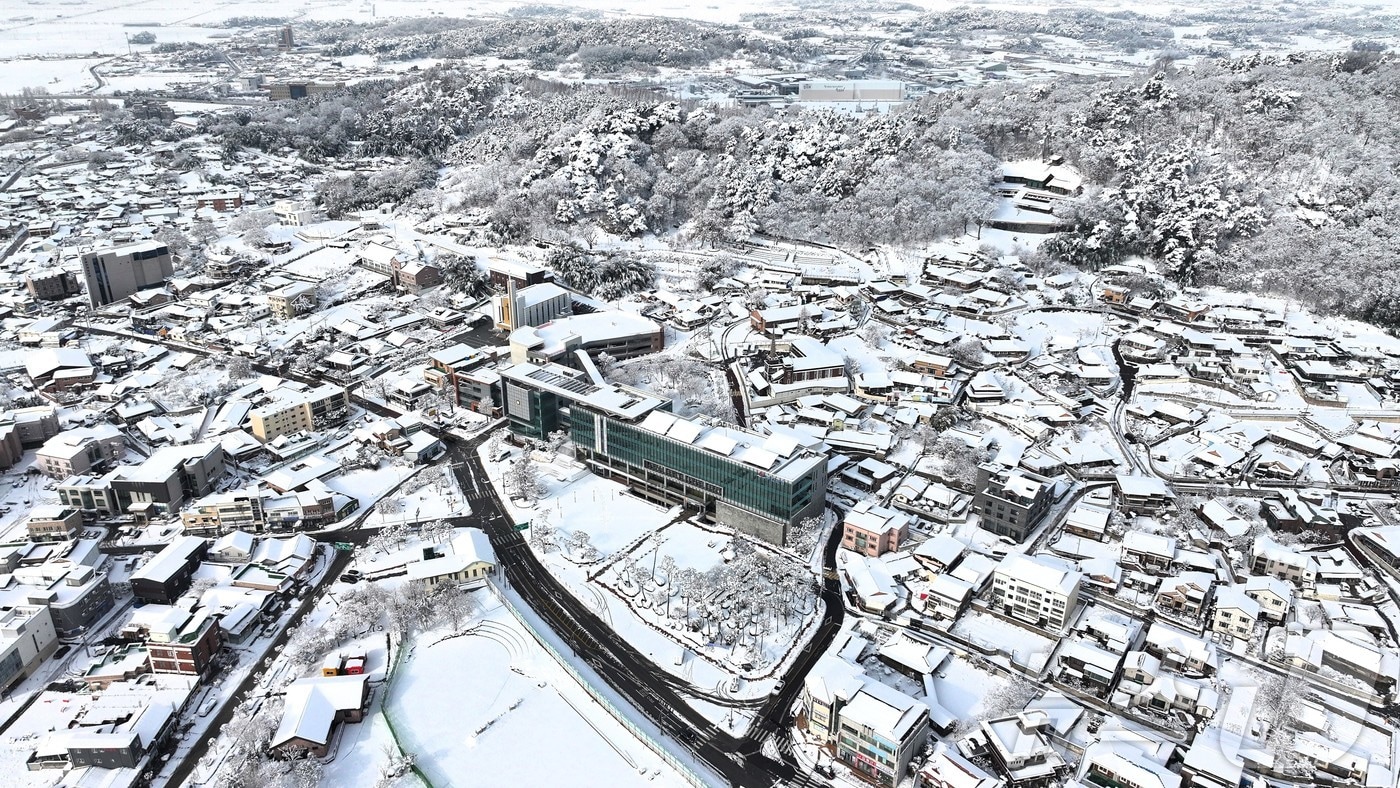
column 423, row 401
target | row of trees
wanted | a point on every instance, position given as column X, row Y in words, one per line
column 1257, row 173
column 738, row 604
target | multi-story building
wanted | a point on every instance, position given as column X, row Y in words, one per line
column 115, row 273
column 89, row 493
column 288, row 410
column 504, row 273
column 296, row 90
column 77, row 596
column 758, row 485
column 874, row 530
column 33, row 425
column 167, row 575
column 880, row 731
column 449, row 370
column 415, row 276
column 53, row 523
column 312, row 508
column 292, row 214
column 1038, row 589
column 168, row 477
column 875, row 729
column 80, row 450
column 219, row 514
column 220, row 201
column 188, row 648
column 27, row 638
column 621, row 335
column 827, row 688
column 1011, row 502
column 53, row 284
column 534, row 305
column 293, row 299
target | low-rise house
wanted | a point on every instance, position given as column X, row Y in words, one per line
column 1019, row 747
column 1236, row 612
column 1180, row 651
column 1150, row 552
column 1121, row 764
column 1273, row 595
column 1186, row 594
column 946, row 597
column 946, row 768
column 940, row 553
column 1109, row 629
column 1167, row 692
column 117, row 664
column 313, row 707
column 1352, row 654
column 1083, row 662
column 1273, row 559
column 467, row 558
column 1087, row 521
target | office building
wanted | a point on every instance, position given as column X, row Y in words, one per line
column 759, row 485
column 116, row 273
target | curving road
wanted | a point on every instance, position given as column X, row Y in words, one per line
column 738, row 760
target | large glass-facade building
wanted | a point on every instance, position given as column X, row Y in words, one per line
column 760, row 485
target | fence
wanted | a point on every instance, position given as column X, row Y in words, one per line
column 389, row 714
column 689, row 774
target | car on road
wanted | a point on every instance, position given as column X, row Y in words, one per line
column 62, row 652
column 777, row 687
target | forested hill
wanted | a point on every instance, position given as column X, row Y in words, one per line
column 1268, row 175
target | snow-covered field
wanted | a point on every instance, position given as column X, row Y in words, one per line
column 517, row 718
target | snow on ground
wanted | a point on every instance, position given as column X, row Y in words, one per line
column 963, row 687
column 439, row 497
column 67, row 75
column 1023, row 646
column 573, row 503
column 512, row 705
column 368, row 485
